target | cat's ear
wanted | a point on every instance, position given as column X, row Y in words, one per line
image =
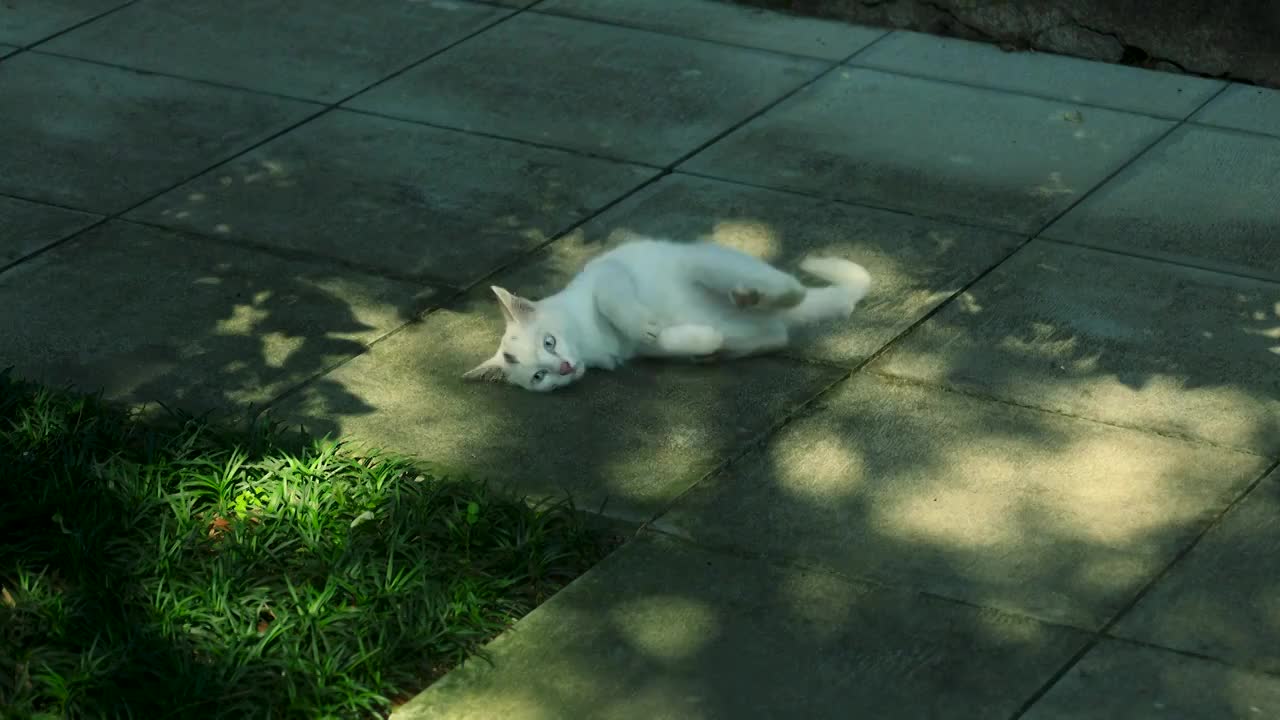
column 514, row 308
column 491, row 370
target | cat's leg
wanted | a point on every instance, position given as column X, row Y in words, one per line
column 689, row 340
column 616, row 299
column 768, row 338
column 747, row 280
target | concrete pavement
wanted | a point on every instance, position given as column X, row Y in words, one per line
column 1033, row 477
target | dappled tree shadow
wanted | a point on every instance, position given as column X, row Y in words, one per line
column 631, row 440
column 884, row 479
column 1124, row 340
column 1224, row 600
column 1031, row 513
column 1003, row 507
column 644, row 434
column 672, row 630
column 912, row 545
column 665, row 628
column 396, row 199
column 1026, row 511
column 155, row 316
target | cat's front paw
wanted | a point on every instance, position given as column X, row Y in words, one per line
column 649, row 330
column 691, row 340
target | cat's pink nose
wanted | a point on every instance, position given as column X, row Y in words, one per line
column 565, row 367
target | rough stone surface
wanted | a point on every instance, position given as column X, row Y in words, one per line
column 725, row 22
column 102, row 139
column 1223, row 599
column 1072, row 39
column 585, row 86
column 26, row 227
column 1203, row 196
column 916, row 264
column 332, row 50
column 1118, row 680
column 925, row 147
column 1054, row 76
column 293, row 247
column 1005, row 507
column 1124, row 340
column 1233, row 38
column 661, row 630
column 103, row 311
column 1244, row 107
column 640, row 435
column 25, row 22
column 400, row 198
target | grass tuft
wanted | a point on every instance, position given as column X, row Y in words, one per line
column 187, row 570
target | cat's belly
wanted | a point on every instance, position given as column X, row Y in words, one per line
column 697, row 308
column 684, row 306
column 734, row 324
column 605, row 350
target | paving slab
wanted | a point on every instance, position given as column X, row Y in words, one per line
column 102, row 139
column 1244, row 107
column 150, row 315
column 661, row 630
column 1060, row 77
column 398, row 198
column 1118, row 680
column 617, row 92
column 1203, row 196
column 327, row 53
column 25, row 22
column 728, row 23
column 26, row 227
column 1223, row 599
column 1005, row 161
column 916, row 264
column 1124, row 340
column 626, row 442
column 1000, row 506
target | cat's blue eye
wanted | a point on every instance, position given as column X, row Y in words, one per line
column 549, row 342
column 537, row 377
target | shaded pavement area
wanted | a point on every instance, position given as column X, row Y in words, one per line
column 1034, row 476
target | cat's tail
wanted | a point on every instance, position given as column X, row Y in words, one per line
column 850, row 282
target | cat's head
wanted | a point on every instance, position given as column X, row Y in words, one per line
column 534, row 353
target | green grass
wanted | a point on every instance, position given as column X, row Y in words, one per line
column 182, row 570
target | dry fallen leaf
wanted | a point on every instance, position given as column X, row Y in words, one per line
column 219, row 526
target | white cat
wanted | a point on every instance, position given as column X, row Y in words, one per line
column 657, row 298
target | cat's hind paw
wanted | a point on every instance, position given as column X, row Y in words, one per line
column 786, row 295
column 744, row 297
column 790, row 296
